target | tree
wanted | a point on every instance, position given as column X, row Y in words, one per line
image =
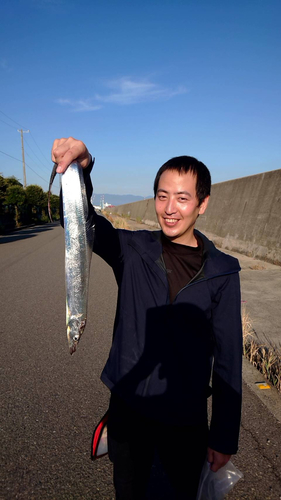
column 15, row 196
column 36, row 200
column 55, row 206
column 35, row 196
column 3, row 189
column 13, row 181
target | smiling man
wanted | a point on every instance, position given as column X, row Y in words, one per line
column 176, row 202
column 177, row 327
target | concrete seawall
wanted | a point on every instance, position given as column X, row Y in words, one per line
column 243, row 215
column 142, row 211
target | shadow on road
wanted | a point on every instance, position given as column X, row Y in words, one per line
column 28, row 232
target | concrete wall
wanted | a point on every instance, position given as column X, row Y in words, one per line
column 243, row 215
column 142, row 211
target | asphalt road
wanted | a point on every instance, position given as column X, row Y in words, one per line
column 51, row 401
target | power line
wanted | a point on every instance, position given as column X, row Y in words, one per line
column 8, row 124
column 10, row 156
column 39, row 148
column 28, row 167
column 36, row 173
column 31, row 158
column 26, row 142
column 11, row 119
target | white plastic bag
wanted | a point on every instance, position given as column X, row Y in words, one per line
column 215, row 485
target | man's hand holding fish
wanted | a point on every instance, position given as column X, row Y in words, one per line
column 65, row 151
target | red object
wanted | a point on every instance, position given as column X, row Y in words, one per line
column 99, row 441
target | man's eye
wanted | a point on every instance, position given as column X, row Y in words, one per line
column 161, row 197
column 182, row 199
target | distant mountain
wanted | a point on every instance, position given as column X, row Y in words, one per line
column 116, row 199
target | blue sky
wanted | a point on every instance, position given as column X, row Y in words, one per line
column 140, row 82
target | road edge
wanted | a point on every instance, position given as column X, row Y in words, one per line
column 270, row 397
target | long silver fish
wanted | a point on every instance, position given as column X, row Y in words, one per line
column 78, row 250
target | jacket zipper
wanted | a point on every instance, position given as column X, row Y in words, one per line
column 194, row 280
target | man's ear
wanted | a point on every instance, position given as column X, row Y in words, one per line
column 204, row 205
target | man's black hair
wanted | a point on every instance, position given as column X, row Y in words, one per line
column 184, row 164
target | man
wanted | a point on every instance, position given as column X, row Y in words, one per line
column 177, row 319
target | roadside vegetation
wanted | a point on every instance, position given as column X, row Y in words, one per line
column 266, row 358
column 20, row 207
column 116, row 220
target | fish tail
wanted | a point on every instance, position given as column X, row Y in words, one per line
column 53, row 175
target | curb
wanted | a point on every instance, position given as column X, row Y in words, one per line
column 269, row 397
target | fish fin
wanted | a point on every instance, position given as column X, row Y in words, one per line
column 53, row 175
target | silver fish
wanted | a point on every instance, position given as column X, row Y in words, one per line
column 78, row 250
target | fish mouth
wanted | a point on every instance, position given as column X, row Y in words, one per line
column 72, row 343
column 72, row 348
column 75, row 329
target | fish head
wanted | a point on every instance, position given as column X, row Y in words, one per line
column 75, row 328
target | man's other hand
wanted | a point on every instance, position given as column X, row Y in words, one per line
column 65, row 151
column 216, row 459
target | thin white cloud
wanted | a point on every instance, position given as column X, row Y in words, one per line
column 125, row 91
column 128, row 91
column 79, row 105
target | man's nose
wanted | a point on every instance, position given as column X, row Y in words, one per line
column 170, row 207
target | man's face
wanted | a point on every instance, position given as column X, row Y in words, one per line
column 176, row 206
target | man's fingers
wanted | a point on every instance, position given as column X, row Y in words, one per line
column 214, row 467
column 65, row 151
column 58, row 150
column 67, row 158
column 217, row 460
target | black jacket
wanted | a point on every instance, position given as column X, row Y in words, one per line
column 162, row 354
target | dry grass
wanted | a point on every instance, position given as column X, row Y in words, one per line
column 116, row 220
column 267, row 359
column 120, row 223
column 257, row 267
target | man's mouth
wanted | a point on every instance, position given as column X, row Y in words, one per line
column 170, row 221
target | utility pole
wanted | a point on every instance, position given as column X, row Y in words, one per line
column 22, row 150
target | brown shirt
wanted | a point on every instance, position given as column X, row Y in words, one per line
column 182, row 263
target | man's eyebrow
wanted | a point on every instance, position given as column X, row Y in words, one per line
column 184, row 192
column 178, row 192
